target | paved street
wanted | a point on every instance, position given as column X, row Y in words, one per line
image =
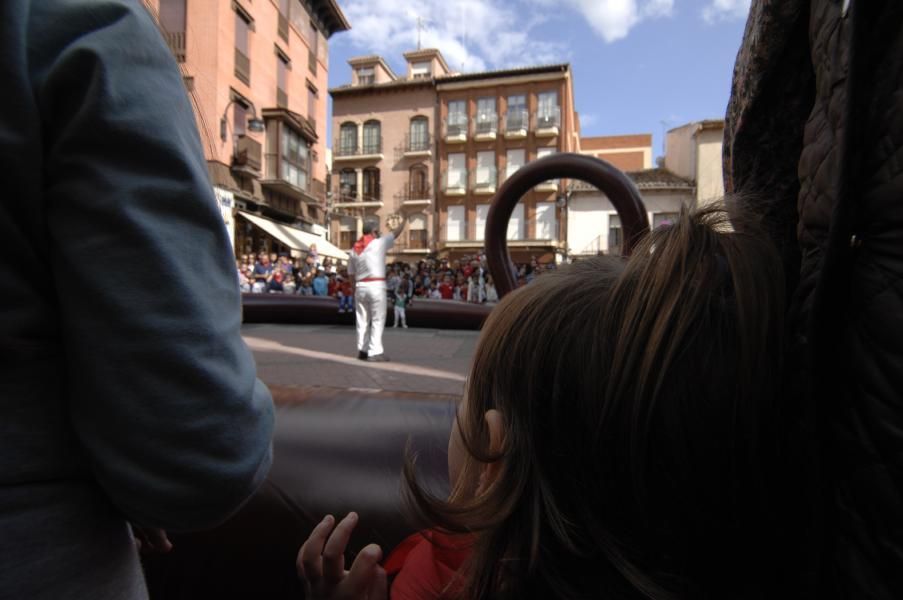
column 424, row 361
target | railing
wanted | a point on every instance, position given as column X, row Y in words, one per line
column 418, row 143
column 348, row 194
column 247, row 153
column 486, row 124
column 414, row 192
column 548, row 118
column 281, row 98
column 346, row 148
column 282, row 28
column 517, row 120
column 485, row 178
column 456, row 125
column 176, row 42
column 455, row 181
column 242, row 67
column 417, row 240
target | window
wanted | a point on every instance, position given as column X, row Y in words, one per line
column 482, row 214
column 615, row 238
column 239, row 117
column 485, row 169
column 312, row 105
column 282, row 26
column 281, row 81
column 313, row 41
column 486, row 116
column 547, row 109
column 664, row 219
column 242, row 62
column 366, row 76
column 419, row 139
column 457, row 171
column 347, row 227
column 517, row 113
column 348, row 185
column 457, row 117
column 371, row 184
column 514, row 160
column 455, row 227
column 417, row 232
column 546, row 223
column 543, row 152
column 172, row 21
column 420, row 70
column 347, row 139
column 516, row 223
column 295, row 158
column 418, row 187
column 372, row 140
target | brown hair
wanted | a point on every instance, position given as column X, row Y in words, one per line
column 637, row 398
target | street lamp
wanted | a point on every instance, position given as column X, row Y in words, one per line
column 254, row 124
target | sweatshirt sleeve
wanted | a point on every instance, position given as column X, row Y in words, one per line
column 161, row 389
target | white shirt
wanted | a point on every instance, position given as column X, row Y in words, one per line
column 371, row 263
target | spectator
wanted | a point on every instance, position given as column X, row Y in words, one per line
column 313, row 255
column 434, row 292
column 446, row 288
column 320, row 283
column 307, row 286
column 274, row 286
column 345, row 294
column 492, row 295
column 400, row 301
column 332, row 286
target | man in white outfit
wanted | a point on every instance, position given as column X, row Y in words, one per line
column 367, row 268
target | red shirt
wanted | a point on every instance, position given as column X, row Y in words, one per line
column 331, row 288
column 425, row 565
column 447, row 291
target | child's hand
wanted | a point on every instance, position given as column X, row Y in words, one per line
column 321, row 564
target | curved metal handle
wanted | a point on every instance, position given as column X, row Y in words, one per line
column 624, row 196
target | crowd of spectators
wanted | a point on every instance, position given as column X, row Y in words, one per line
column 464, row 280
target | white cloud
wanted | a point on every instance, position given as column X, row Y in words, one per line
column 472, row 34
column 725, row 10
column 588, row 119
column 613, row 19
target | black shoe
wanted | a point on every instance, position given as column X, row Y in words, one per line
column 362, row 355
column 378, row 358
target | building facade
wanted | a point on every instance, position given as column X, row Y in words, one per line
column 693, row 151
column 493, row 123
column 257, row 73
column 384, row 150
column 626, row 152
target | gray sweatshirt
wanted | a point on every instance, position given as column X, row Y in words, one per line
column 126, row 391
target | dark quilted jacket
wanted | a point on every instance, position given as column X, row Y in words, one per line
column 815, row 132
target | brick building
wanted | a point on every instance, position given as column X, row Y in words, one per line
column 257, row 73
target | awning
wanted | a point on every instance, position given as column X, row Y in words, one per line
column 295, row 238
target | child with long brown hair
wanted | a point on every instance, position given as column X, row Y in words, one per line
column 616, row 438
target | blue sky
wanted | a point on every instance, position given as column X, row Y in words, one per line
column 636, row 63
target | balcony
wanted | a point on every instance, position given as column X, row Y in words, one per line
column 348, row 197
column 456, row 129
column 485, row 127
column 414, row 195
column 548, row 122
column 413, row 241
column 176, row 42
column 417, row 146
column 485, row 180
column 454, row 183
column 246, row 157
column 517, row 123
column 344, row 151
column 242, row 67
column 548, row 186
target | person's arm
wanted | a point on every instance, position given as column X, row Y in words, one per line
column 161, row 389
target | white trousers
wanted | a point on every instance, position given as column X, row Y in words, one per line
column 370, row 305
column 399, row 315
